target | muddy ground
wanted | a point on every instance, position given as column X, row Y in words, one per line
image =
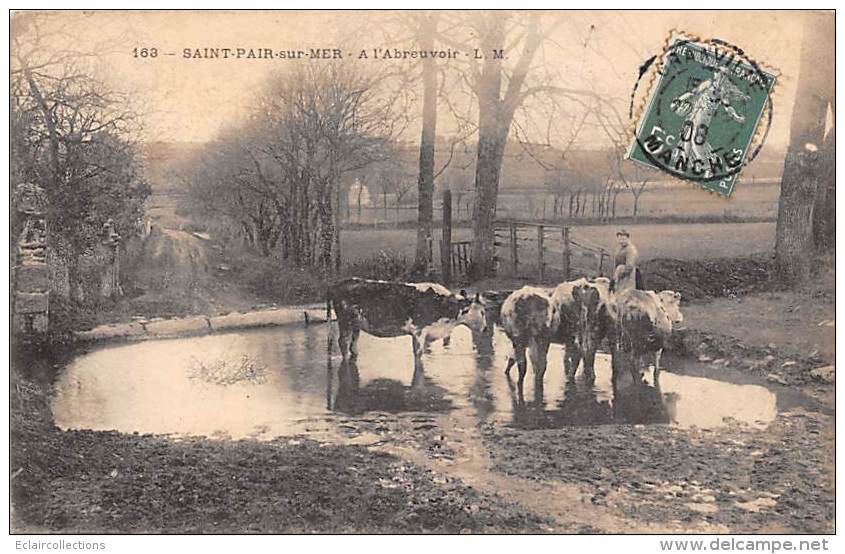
column 411, row 472
column 106, row 482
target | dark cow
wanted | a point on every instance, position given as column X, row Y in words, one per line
column 644, row 321
column 583, row 322
column 425, row 311
column 529, row 318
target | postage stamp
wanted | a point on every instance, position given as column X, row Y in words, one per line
column 707, row 116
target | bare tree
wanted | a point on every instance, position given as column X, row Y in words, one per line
column 284, row 165
column 635, row 178
column 495, row 114
column 74, row 136
column 425, row 199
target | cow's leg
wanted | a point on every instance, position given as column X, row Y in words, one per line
column 344, row 337
column 539, row 352
column 418, row 380
column 589, row 365
column 617, row 363
column 657, row 356
column 418, row 345
column 636, row 367
column 510, row 363
column 571, row 359
column 522, row 365
column 353, row 344
column 511, row 357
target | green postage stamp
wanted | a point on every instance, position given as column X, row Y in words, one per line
column 707, row 116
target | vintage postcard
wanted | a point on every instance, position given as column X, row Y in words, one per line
column 442, row 272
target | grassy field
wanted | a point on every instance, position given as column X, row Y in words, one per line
column 682, row 241
column 749, row 201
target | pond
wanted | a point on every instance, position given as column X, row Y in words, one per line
column 280, row 381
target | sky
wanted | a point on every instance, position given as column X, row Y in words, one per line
column 193, row 99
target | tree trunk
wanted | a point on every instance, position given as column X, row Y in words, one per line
column 636, row 205
column 337, row 257
column 824, row 212
column 327, row 235
column 425, row 182
column 495, row 114
column 491, row 146
column 488, row 166
column 794, row 245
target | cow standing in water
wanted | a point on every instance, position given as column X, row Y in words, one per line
column 644, row 322
column 529, row 319
column 583, row 322
column 425, row 311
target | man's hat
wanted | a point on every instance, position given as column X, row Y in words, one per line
column 623, row 233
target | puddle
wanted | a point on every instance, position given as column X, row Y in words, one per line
column 280, row 381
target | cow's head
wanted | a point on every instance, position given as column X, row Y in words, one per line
column 671, row 302
column 602, row 284
column 472, row 312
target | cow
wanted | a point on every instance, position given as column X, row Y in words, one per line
column 643, row 325
column 583, row 322
column 529, row 318
column 425, row 311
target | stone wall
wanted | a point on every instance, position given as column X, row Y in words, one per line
column 31, row 275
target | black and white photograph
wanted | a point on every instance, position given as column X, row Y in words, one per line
column 405, row 272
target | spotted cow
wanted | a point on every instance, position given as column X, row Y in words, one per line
column 583, row 322
column 643, row 326
column 529, row 319
column 425, row 311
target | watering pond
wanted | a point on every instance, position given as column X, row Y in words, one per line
column 280, row 381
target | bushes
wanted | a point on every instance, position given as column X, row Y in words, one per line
column 385, row 264
column 274, row 280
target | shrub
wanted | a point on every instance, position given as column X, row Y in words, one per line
column 385, row 264
column 272, row 279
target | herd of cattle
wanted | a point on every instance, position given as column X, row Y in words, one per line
column 578, row 314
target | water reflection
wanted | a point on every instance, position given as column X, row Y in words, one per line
column 578, row 405
column 153, row 387
column 383, row 394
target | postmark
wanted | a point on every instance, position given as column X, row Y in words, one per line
column 708, row 114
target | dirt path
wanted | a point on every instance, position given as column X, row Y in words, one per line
column 175, row 273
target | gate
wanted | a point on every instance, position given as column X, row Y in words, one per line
column 533, row 250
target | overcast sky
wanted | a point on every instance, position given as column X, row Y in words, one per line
column 191, row 100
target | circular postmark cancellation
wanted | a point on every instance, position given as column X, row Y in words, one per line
column 708, row 114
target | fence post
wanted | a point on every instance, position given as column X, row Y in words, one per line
column 514, row 259
column 446, row 243
column 540, row 263
column 567, row 253
column 601, row 263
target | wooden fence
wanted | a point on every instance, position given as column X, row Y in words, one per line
column 525, row 249
column 535, row 250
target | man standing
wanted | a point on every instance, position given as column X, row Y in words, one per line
column 626, row 274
